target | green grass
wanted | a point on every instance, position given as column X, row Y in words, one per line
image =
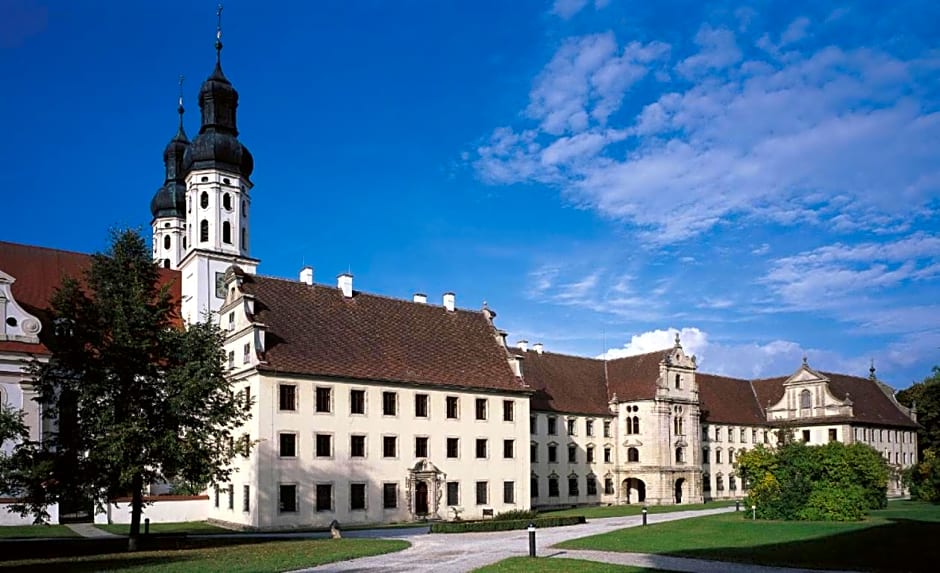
column 250, row 558
column 633, row 509
column 194, row 527
column 543, row 564
column 19, row 531
column 899, row 538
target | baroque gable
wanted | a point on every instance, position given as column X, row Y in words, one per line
column 16, row 324
column 807, row 394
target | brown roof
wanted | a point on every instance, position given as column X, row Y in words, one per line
column 315, row 330
column 39, row 272
column 728, row 401
column 634, row 377
column 564, row 383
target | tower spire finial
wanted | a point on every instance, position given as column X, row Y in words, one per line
column 179, row 107
column 218, row 36
column 871, row 370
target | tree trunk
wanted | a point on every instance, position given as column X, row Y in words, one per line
column 137, row 506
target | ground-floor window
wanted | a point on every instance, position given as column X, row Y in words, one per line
column 453, row 493
column 482, row 493
column 324, row 497
column 357, row 496
column 591, row 486
column 608, row 486
column 535, row 487
column 246, row 498
column 287, row 498
column 573, row 487
column 553, row 487
column 389, row 495
column 509, row 492
column 706, row 482
column 231, row 496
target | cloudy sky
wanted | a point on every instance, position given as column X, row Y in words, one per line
column 763, row 178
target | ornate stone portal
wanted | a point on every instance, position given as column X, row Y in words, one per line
column 424, row 488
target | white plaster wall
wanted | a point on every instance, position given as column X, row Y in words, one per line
column 7, row 518
column 164, row 511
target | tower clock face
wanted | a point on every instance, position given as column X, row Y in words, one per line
column 220, row 285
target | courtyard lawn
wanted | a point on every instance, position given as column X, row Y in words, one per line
column 264, row 557
column 899, row 538
column 546, row 565
column 633, row 509
column 23, row 531
column 188, row 527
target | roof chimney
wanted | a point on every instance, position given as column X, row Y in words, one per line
column 449, row 300
column 538, row 347
column 523, row 345
column 344, row 283
column 420, row 297
column 306, row 275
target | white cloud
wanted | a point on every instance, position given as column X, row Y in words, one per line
column 693, row 341
column 567, row 8
column 796, row 31
column 718, row 50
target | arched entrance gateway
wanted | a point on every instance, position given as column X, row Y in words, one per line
column 679, row 484
column 634, row 490
column 425, row 486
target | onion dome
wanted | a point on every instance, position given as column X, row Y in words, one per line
column 170, row 200
column 217, row 145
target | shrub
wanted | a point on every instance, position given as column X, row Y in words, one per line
column 835, row 503
column 923, row 479
column 517, row 514
column 504, row 525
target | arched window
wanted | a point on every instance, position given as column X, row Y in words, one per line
column 227, row 232
column 227, row 202
column 706, row 482
column 732, row 484
column 806, row 399
column 203, row 231
column 719, row 483
column 678, row 381
column 680, row 456
column 633, row 455
column 166, row 263
column 166, row 242
column 636, row 424
column 204, row 200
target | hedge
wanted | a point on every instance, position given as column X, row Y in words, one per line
column 497, row 525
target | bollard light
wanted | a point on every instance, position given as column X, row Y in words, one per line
column 147, row 526
column 754, row 512
column 644, row 514
column 531, row 539
column 737, row 505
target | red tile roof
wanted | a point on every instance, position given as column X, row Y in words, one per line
column 39, row 272
column 565, row 383
column 634, row 377
column 315, row 330
column 728, row 401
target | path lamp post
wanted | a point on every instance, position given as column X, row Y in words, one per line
column 147, row 526
column 644, row 512
column 531, row 539
column 754, row 512
column 737, row 505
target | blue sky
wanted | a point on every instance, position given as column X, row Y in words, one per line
column 763, row 177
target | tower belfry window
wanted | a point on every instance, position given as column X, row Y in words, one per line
column 204, row 200
column 203, row 231
column 166, row 242
column 227, row 202
column 227, row 232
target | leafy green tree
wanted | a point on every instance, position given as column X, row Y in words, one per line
column 926, row 396
column 923, row 478
column 12, row 427
column 137, row 398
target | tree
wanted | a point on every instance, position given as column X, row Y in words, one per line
column 137, row 398
column 926, row 396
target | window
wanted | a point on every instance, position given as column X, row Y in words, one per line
column 832, row 435
column 509, row 492
column 166, row 242
column 706, row 482
column 227, row 202
column 552, row 425
column 244, row 239
column 754, row 435
column 203, row 231
column 217, row 496
column 324, row 445
column 731, row 435
column 633, row 425
column 552, row 453
column 453, row 447
column 324, row 497
column 806, row 399
column 357, row 496
column 678, row 381
column 806, row 436
column 534, row 487
column 572, row 454
column 633, row 455
column 231, row 359
column 589, row 427
column 287, row 498
column 571, row 427
column 453, row 410
column 204, row 200
column 680, row 456
column 389, row 403
column 480, row 408
column 533, row 425
column 357, row 446
column 608, row 486
column 421, row 447
column 508, row 410
column 246, row 354
column 453, row 493
column 732, row 483
column 389, row 495
column 719, row 483
column 287, row 397
column 607, row 456
column 509, row 450
column 390, row 446
column 553, row 487
column 324, row 398
column 533, row 452
column 606, row 428
column 421, row 405
column 231, row 496
column 246, row 497
column 573, row 487
column 227, row 232
column 678, row 427
column 357, row 401
column 481, row 448
column 590, row 454
column 717, row 456
column 591, row 486
column 705, row 456
column 288, row 445
column 743, row 436
column 717, row 434
column 482, row 493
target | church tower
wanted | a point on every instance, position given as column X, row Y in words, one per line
column 217, row 170
column 169, row 202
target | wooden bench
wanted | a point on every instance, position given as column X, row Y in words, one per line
column 488, row 512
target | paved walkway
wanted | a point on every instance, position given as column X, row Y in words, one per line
column 89, row 530
column 468, row 551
